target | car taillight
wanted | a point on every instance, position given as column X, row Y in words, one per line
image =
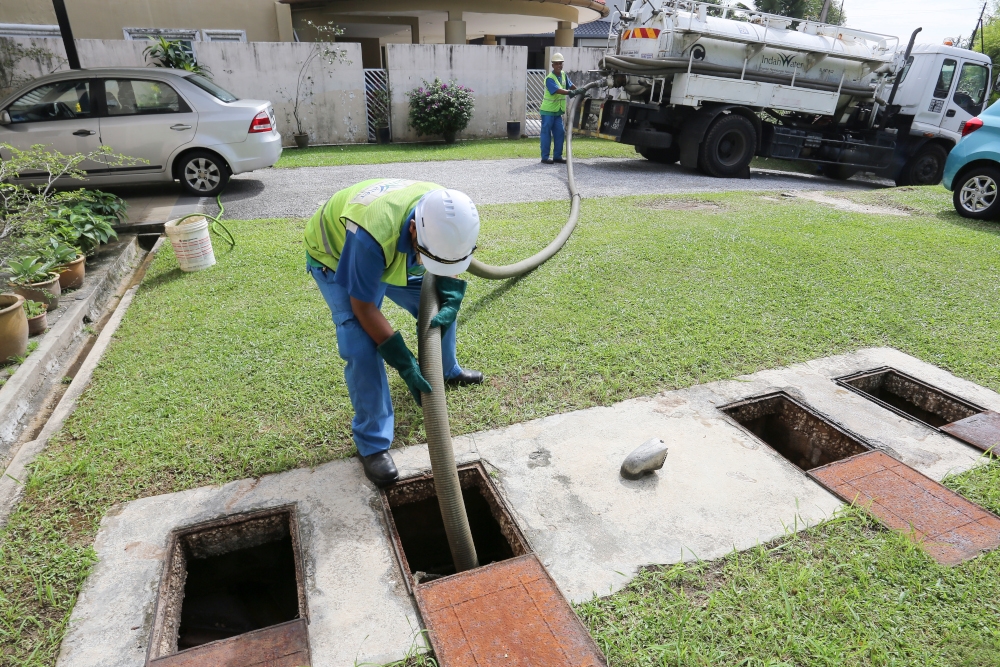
column 971, row 126
column 261, row 123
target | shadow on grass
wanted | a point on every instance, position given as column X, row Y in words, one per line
column 952, row 217
column 163, row 279
column 469, row 312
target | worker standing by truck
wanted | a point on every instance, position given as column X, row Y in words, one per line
column 375, row 240
column 557, row 87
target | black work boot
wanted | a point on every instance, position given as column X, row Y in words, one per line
column 466, row 377
column 560, row 160
column 380, row 468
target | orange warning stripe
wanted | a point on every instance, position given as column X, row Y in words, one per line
column 641, row 33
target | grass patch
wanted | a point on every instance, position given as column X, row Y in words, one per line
column 473, row 149
column 233, row 372
column 847, row 592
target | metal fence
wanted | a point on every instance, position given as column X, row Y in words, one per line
column 534, row 91
column 376, row 100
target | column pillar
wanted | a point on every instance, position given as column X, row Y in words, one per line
column 454, row 29
column 564, row 34
column 489, row 40
column 283, row 13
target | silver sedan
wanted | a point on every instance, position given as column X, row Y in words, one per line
column 180, row 126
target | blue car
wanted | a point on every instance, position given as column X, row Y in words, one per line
column 972, row 171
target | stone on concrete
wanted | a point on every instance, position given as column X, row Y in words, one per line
column 644, row 459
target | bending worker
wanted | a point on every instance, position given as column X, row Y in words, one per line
column 557, row 86
column 375, row 240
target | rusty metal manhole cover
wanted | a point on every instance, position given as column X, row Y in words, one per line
column 947, row 526
column 982, row 430
column 509, row 613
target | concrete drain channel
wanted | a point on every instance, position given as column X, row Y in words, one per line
column 928, row 405
column 508, row 610
column 948, row 527
column 232, row 595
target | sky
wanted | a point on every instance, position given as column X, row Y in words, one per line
column 938, row 18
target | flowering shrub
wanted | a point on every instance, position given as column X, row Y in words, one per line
column 440, row 108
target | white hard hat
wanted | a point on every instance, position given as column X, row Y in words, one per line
column 557, row 58
column 447, row 229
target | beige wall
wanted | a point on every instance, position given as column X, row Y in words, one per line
column 333, row 110
column 104, row 19
column 496, row 74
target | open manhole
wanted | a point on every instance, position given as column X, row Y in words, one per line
column 418, row 533
column 232, row 594
column 794, row 431
column 509, row 610
column 907, row 396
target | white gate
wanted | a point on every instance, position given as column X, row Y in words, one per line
column 534, row 91
column 377, row 100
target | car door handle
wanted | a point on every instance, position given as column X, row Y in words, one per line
column 84, row 133
column 951, row 113
column 180, row 126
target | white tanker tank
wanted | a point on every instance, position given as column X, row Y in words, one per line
column 712, row 86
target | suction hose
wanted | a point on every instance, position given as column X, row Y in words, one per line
column 439, row 446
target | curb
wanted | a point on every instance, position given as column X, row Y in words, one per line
column 20, row 389
column 16, row 475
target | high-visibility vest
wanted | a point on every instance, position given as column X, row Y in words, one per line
column 379, row 206
column 554, row 103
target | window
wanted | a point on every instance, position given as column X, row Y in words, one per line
column 944, row 79
column 185, row 37
column 211, row 88
column 906, row 69
column 223, row 35
column 131, row 97
column 28, row 30
column 971, row 88
column 62, row 100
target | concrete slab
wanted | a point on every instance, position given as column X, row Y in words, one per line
column 720, row 489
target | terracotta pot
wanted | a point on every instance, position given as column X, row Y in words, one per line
column 71, row 275
column 301, row 140
column 46, row 292
column 38, row 324
column 13, row 327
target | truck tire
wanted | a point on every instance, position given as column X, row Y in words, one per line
column 925, row 168
column 977, row 194
column 662, row 155
column 728, row 147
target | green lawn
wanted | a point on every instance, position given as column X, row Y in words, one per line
column 475, row 149
column 233, row 372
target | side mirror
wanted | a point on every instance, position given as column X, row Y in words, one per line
column 4, row 117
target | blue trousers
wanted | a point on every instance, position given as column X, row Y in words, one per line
column 552, row 129
column 367, row 383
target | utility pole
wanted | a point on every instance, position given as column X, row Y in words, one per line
column 67, row 34
column 826, row 8
column 972, row 40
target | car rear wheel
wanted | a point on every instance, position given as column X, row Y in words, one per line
column 203, row 174
column 977, row 195
column 728, row 147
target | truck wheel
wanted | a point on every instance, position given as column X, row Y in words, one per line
column 662, row 155
column 728, row 147
column 977, row 194
column 924, row 168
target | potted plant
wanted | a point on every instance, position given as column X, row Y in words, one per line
column 37, row 318
column 379, row 106
column 79, row 226
column 13, row 327
column 34, row 279
column 443, row 109
column 68, row 261
column 325, row 33
column 513, row 129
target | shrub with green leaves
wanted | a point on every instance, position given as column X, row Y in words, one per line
column 440, row 108
column 172, row 53
column 59, row 252
column 33, row 308
column 81, row 227
column 29, row 270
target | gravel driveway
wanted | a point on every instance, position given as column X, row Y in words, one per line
column 281, row 193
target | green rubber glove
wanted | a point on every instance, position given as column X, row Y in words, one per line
column 450, row 293
column 393, row 349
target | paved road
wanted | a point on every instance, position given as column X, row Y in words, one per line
column 279, row 193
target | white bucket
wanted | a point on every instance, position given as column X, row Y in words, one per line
column 191, row 243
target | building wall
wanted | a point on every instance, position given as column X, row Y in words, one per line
column 579, row 64
column 332, row 106
column 495, row 73
column 104, row 19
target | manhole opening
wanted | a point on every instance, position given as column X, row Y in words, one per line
column 418, row 533
column 910, row 397
column 794, row 431
column 227, row 578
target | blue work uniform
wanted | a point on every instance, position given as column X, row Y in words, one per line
column 359, row 275
column 552, row 122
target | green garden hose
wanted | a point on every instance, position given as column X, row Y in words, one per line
column 435, row 407
column 216, row 223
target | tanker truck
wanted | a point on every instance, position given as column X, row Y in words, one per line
column 711, row 86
